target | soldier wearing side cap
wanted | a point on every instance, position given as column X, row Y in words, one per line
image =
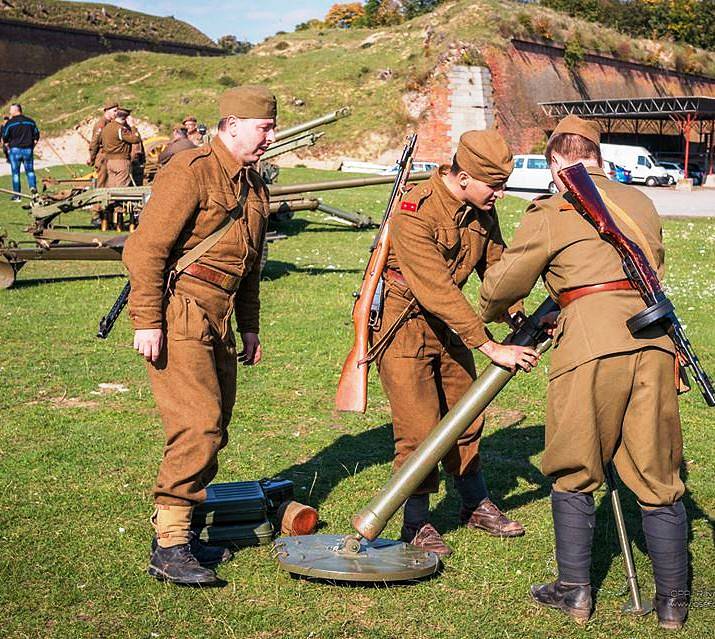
column 205, row 226
column 611, row 396
column 192, row 132
column 118, row 139
column 179, row 142
column 97, row 158
column 443, row 230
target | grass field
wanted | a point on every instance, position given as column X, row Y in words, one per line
column 77, row 466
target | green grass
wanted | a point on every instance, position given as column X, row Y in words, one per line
column 104, row 18
column 77, row 468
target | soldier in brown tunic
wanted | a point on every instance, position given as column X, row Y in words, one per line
column 444, row 230
column 118, row 137
column 96, row 154
column 611, row 395
column 192, row 131
column 179, row 142
column 205, row 226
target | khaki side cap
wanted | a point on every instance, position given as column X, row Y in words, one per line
column 248, row 101
column 486, row 156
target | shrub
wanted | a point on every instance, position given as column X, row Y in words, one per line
column 282, row 45
column 121, row 58
column 543, row 27
column 227, row 81
column 573, row 53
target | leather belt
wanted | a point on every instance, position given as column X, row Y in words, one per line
column 213, row 276
column 573, row 294
column 395, row 276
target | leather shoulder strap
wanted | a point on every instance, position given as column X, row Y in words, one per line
column 209, row 242
column 627, row 220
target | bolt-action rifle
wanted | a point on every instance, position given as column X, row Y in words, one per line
column 659, row 309
column 352, row 387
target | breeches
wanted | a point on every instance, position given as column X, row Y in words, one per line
column 100, row 167
column 118, row 172
column 424, row 371
column 624, row 408
column 194, row 384
column 22, row 157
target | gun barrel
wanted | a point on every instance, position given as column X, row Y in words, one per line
column 349, row 183
column 328, row 118
column 372, row 519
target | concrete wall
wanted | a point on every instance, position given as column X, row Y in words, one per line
column 30, row 52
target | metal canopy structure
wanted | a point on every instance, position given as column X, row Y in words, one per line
column 660, row 115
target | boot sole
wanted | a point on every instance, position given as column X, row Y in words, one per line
column 493, row 533
column 670, row 625
column 159, row 574
column 581, row 617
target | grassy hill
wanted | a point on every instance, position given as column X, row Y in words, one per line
column 104, row 18
column 371, row 70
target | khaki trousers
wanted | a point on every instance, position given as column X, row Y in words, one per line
column 624, row 408
column 118, row 172
column 424, row 371
column 194, row 384
column 100, row 167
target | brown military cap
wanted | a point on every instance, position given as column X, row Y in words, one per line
column 189, row 118
column 178, row 126
column 123, row 111
column 574, row 124
column 248, row 101
column 486, row 156
column 110, row 103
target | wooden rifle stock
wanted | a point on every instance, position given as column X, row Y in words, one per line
column 351, row 395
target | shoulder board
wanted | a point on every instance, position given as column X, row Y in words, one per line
column 414, row 196
column 199, row 152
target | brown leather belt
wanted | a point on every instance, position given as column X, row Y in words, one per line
column 395, row 276
column 213, row 276
column 573, row 294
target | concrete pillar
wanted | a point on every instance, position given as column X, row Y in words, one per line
column 471, row 102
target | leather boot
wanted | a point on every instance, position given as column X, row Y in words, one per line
column 574, row 522
column 177, row 565
column 205, row 554
column 666, row 535
column 489, row 518
column 427, row 537
column 574, row 600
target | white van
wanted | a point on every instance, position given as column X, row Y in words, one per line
column 638, row 160
column 531, row 173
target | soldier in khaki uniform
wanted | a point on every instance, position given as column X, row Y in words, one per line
column 205, row 224
column 611, row 395
column 118, row 137
column 179, row 142
column 444, row 230
column 192, row 132
column 96, row 154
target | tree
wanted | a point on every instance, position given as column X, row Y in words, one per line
column 342, row 16
column 233, row 46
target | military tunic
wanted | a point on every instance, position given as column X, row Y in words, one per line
column 194, row 380
column 117, row 141
column 437, row 242
column 611, row 395
column 96, row 154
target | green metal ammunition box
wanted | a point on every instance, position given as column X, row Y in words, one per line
column 277, row 490
column 230, row 503
column 245, row 534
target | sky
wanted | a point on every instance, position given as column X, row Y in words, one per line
column 247, row 20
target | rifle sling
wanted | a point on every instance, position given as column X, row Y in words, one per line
column 376, row 349
column 209, row 242
column 626, row 219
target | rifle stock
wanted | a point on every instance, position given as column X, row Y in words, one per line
column 638, row 270
column 351, row 395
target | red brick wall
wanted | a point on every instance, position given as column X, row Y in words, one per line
column 433, row 130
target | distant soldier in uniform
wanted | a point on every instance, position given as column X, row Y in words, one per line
column 207, row 219
column 611, row 395
column 118, row 137
column 444, row 230
column 96, row 154
column 192, row 131
column 179, row 142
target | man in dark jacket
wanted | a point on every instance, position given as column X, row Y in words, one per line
column 19, row 135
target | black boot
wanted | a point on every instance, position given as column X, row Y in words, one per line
column 205, row 554
column 666, row 535
column 574, row 522
column 177, row 565
column 575, row 601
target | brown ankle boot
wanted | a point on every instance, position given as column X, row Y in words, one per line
column 489, row 518
column 426, row 537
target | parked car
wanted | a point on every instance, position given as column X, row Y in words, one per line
column 695, row 172
column 674, row 170
column 639, row 161
column 531, row 173
column 617, row 173
column 417, row 167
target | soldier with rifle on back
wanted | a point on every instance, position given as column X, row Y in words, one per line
column 193, row 261
column 612, row 394
column 118, row 138
column 442, row 231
